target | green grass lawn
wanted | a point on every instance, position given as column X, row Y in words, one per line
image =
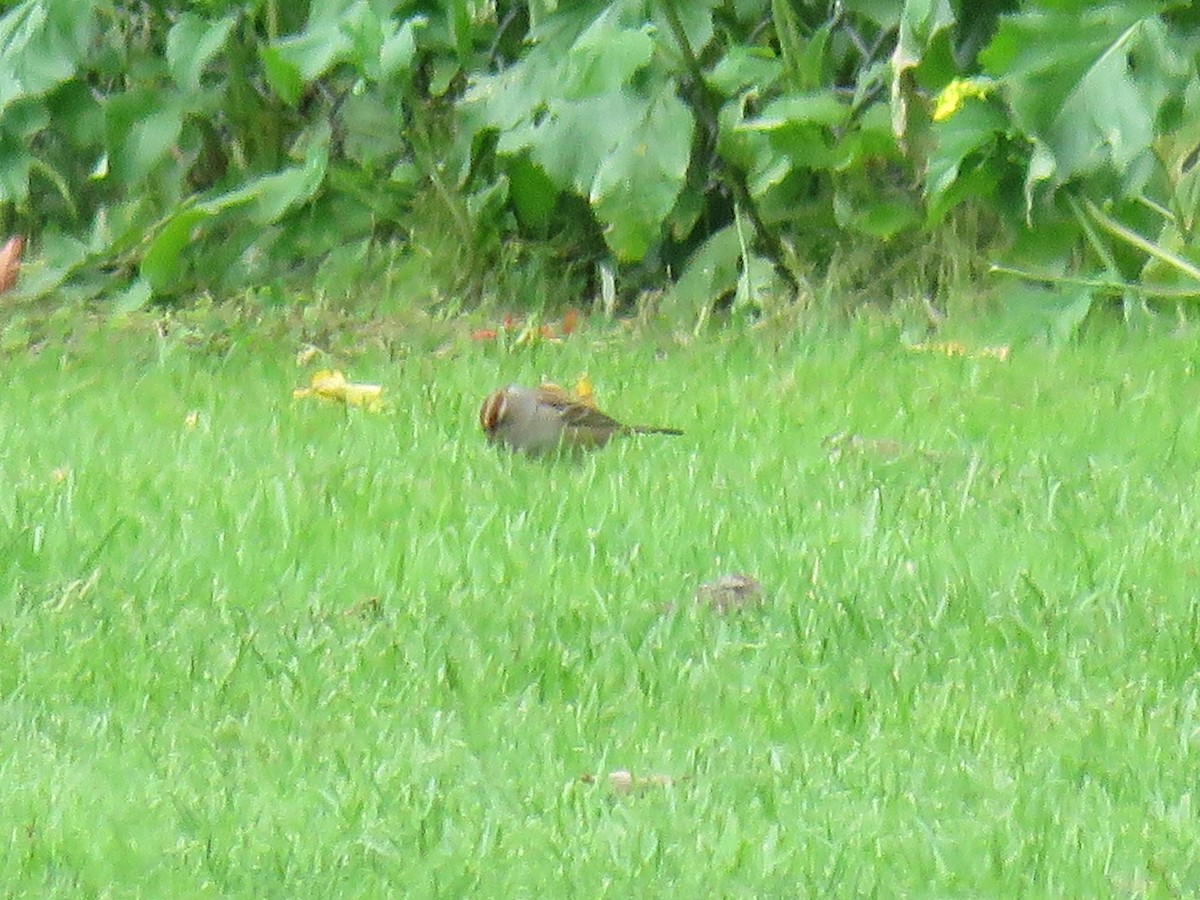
column 282, row 649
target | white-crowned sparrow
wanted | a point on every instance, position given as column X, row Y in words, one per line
column 544, row 419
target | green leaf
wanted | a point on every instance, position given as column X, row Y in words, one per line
column 60, row 256
column 133, row 298
column 19, row 124
column 742, row 68
column 399, row 49
column 282, row 74
column 711, row 273
column 276, row 194
column 141, row 127
column 969, row 130
column 192, row 42
column 879, row 216
column 1087, row 88
column 1054, row 316
column 42, row 43
column 160, row 266
column 533, row 194
column 325, row 41
column 697, row 20
column 604, row 59
column 638, row 181
column 920, row 25
column 575, row 136
column 815, row 108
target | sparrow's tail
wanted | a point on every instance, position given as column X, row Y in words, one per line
column 651, row 429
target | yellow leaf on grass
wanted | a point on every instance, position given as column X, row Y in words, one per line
column 330, row 384
column 958, row 348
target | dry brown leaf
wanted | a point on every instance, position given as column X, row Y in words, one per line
column 730, row 593
column 10, row 262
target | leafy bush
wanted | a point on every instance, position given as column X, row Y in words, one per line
column 734, row 147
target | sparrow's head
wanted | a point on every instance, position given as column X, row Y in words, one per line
column 493, row 412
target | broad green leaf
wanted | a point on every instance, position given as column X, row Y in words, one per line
column 325, row 41
column 142, row 126
column 639, row 179
column 19, row 124
column 697, row 20
column 1051, row 315
column 275, row 194
column 575, row 137
column 879, row 216
column 533, row 194
column 710, row 273
column 136, row 296
column 604, row 59
column 920, row 25
column 15, row 165
column 1087, row 88
column 485, row 204
column 191, row 43
column 42, row 43
column 372, row 133
column 884, row 13
column 689, row 206
column 160, row 267
column 975, row 126
column 59, row 257
column 823, row 108
column 800, row 128
column 742, row 68
column 399, row 49
column 282, row 74
column 759, row 286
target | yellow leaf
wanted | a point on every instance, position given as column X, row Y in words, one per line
column 583, row 391
column 958, row 348
column 331, row 384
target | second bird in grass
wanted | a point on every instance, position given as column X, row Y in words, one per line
column 544, row 419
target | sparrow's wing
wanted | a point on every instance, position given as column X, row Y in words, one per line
column 575, row 414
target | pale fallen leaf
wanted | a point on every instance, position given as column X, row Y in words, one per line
column 958, row 348
column 623, row 781
column 331, row 384
column 730, row 593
